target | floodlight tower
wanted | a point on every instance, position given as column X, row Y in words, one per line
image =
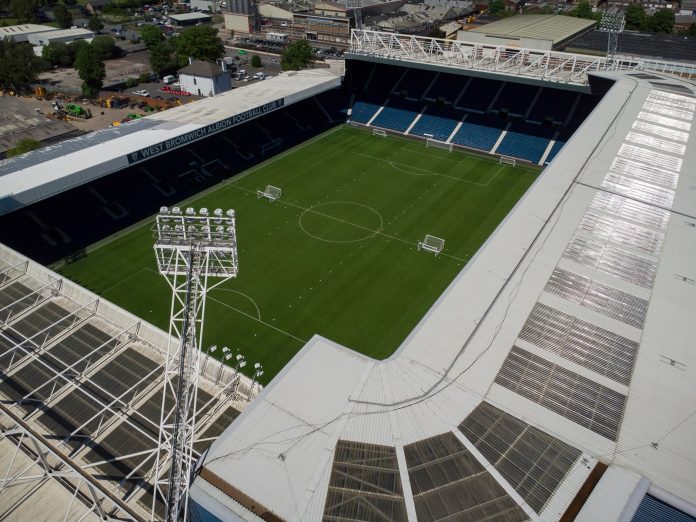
column 191, row 248
column 356, row 6
column 612, row 24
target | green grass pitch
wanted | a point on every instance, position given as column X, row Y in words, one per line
column 336, row 255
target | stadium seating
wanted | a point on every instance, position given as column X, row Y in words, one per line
column 515, row 98
column 396, row 118
column 413, row 85
column 479, row 95
column 437, row 126
column 557, row 146
column 525, row 141
column 362, row 111
column 477, row 133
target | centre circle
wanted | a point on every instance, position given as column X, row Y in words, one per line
column 341, row 222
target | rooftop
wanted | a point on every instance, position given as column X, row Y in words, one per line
column 17, row 122
column 13, row 30
column 563, row 343
column 202, row 68
column 556, row 28
column 40, row 174
column 189, row 16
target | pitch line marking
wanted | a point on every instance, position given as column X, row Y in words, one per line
column 378, row 233
column 258, row 312
column 426, row 172
column 258, row 320
column 128, row 278
column 373, row 232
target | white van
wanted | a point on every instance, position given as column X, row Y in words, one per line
column 169, row 79
column 259, row 76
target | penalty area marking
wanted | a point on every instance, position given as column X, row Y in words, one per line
column 371, row 233
column 258, row 320
column 425, row 172
column 258, row 312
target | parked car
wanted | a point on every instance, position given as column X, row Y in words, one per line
column 142, row 93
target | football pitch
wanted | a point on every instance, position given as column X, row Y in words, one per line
column 336, row 255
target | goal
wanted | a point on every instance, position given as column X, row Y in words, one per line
column 432, row 244
column 430, row 143
column 271, row 193
column 379, row 132
column 506, row 160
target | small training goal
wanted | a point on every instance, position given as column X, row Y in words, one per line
column 435, row 144
column 271, row 193
column 432, row 244
column 506, row 160
column 379, row 132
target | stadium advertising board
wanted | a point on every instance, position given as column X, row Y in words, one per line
column 208, row 130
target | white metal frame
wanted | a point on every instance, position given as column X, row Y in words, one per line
column 507, row 160
column 437, row 144
column 432, row 244
column 190, row 248
column 270, row 192
column 379, row 132
column 548, row 66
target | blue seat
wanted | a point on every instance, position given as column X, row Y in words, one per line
column 363, row 111
column 557, row 146
column 477, row 133
column 521, row 143
column 394, row 118
column 439, row 127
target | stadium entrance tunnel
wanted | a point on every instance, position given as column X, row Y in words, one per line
column 341, row 222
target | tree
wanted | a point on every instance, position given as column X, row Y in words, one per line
column 105, row 47
column 436, row 32
column 23, row 145
column 201, row 42
column 91, row 70
column 256, row 61
column 95, row 24
column 63, row 16
column 57, row 54
column 689, row 31
column 18, row 64
column 583, row 10
column 24, row 9
column 151, row 35
column 496, row 7
column 661, row 22
column 162, row 58
column 635, row 17
column 298, row 55
column 75, row 47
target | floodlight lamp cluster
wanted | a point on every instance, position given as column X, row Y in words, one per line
column 177, row 227
column 612, row 22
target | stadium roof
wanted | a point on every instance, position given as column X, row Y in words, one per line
column 556, row 28
column 82, row 382
column 48, row 171
column 565, row 342
column 188, row 17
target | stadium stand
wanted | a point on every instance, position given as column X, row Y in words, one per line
column 635, row 43
column 55, row 228
column 479, row 109
column 87, row 376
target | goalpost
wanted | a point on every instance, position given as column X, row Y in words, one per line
column 379, row 132
column 432, row 244
column 435, row 144
column 506, row 160
column 271, row 193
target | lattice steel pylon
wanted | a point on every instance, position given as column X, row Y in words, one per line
column 356, row 6
column 612, row 24
column 191, row 248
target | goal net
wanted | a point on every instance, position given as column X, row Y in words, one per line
column 379, row 132
column 505, row 160
column 272, row 193
column 354, row 124
column 432, row 244
column 435, row 144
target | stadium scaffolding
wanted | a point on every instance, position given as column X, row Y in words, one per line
column 82, row 393
column 548, row 66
